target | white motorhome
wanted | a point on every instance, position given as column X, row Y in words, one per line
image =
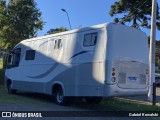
column 94, row 62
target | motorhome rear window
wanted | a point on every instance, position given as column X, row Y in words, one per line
column 30, row 55
column 90, row 39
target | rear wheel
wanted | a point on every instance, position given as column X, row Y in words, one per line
column 60, row 98
column 93, row 100
column 9, row 89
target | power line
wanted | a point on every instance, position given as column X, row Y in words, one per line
column 138, row 7
column 138, row 4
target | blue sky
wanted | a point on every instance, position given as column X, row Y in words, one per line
column 81, row 12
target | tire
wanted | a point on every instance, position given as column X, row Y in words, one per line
column 60, row 99
column 10, row 90
column 93, row 100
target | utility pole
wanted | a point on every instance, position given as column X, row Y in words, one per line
column 151, row 92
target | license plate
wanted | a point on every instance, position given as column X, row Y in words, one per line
column 133, row 79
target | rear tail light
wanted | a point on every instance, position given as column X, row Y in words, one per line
column 113, row 74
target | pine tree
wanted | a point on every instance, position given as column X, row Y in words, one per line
column 136, row 11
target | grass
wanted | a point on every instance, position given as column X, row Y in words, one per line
column 1, row 63
column 127, row 105
column 117, row 104
column 1, row 71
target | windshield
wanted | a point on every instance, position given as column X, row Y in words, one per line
column 13, row 58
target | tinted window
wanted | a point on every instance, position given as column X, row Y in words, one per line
column 55, row 44
column 90, row 39
column 30, row 55
column 58, row 44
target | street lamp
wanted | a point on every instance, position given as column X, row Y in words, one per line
column 67, row 17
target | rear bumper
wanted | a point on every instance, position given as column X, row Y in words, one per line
column 114, row 90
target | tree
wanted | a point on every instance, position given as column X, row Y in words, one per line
column 136, row 11
column 57, row 30
column 3, row 22
column 23, row 20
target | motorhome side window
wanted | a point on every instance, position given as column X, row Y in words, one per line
column 30, row 55
column 58, row 44
column 90, row 39
column 14, row 58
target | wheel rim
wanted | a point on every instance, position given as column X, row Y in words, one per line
column 60, row 97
